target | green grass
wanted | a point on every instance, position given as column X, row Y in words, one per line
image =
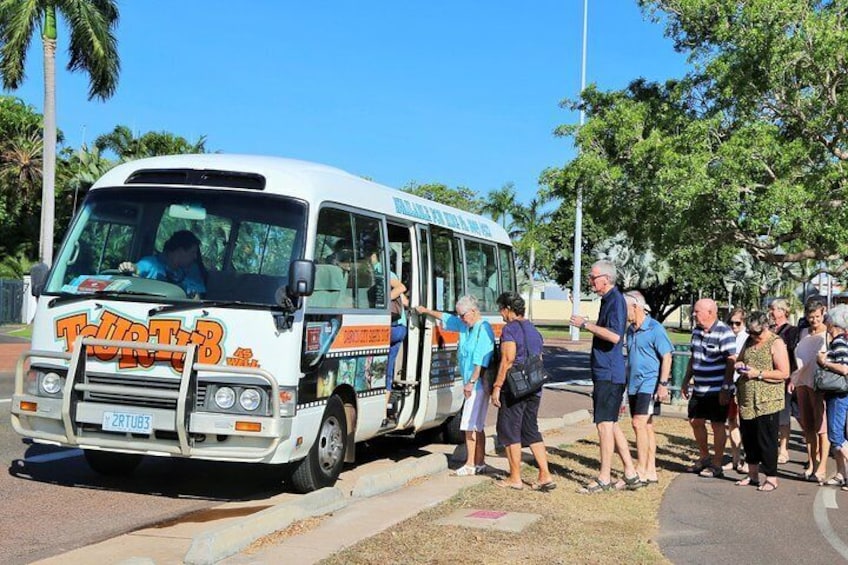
column 563, row 332
column 25, row 331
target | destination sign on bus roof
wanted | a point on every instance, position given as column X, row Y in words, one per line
column 446, row 219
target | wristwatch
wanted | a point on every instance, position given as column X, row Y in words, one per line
column 583, row 325
column 663, row 383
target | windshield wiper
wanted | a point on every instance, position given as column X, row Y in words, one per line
column 69, row 297
column 167, row 308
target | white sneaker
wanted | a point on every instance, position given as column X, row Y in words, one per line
column 465, row 471
column 480, row 469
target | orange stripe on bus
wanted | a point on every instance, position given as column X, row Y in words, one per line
column 362, row 336
column 443, row 337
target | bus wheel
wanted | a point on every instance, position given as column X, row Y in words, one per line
column 112, row 464
column 322, row 465
column 451, row 432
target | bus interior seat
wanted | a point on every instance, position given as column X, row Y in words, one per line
column 329, row 284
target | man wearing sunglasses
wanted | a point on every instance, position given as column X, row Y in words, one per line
column 608, row 377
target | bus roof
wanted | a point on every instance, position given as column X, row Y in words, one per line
column 312, row 182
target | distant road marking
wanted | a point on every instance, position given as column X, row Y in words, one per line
column 54, row 456
column 826, row 498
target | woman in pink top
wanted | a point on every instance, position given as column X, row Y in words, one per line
column 810, row 402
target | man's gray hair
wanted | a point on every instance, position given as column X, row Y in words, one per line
column 780, row 304
column 839, row 316
column 466, row 304
column 637, row 298
column 605, row 268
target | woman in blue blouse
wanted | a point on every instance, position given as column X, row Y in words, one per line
column 476, row 346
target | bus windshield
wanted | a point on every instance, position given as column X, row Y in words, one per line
column 172, row 245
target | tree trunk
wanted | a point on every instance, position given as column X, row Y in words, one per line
column 49, row 155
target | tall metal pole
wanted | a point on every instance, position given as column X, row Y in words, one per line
column 578, row 211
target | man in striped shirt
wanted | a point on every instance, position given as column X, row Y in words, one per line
column 713, row 343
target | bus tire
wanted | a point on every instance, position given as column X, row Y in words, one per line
column 451, row 432
column 112, row 464
column 322, row 465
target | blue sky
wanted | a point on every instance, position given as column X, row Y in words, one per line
column 459, row 92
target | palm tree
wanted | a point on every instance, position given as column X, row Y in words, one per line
column 122, row 142
column 528, row 227
column 501, row 203
column 93, row 49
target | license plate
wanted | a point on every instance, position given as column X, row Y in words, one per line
column 127, row 422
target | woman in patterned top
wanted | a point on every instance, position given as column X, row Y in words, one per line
column 836, row 360
column 763, row 366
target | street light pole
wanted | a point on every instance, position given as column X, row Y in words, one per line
column 578, row 211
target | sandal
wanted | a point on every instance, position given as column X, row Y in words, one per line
column 649, row 482
column 465, row 471
column 633, row 483
column 767, row 486
column 595, row 487
column 699, row 466
column 835, row 481
column 712, row 472
column 544, row 487
column 747, row 481
column 506, row 484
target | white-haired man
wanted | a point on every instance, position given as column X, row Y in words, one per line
column 608, row 378
column 648, row 369
column 713, row 344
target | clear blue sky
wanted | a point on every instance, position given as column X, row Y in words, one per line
column 460, row 92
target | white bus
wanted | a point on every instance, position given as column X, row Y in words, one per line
column 281, row 358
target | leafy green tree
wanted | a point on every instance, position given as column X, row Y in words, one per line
column 126, row 146
column 93, row 50
column 748, row 150
column 529, row 232
column 500, row 204
column 460, row 197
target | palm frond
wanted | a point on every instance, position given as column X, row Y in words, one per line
column 93, row 47
column 18, row 20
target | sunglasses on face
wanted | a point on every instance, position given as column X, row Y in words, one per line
column 735, row 323
column 593, row 278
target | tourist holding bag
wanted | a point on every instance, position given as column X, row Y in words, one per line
column 518, row 426
column 836, row 362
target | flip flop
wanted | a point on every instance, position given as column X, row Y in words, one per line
column 649, row 482
column 544, row 487
column 767, row 486
column 699, row 466
column 747, row 481
column 505, row 484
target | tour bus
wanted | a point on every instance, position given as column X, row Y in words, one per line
column 281, row 359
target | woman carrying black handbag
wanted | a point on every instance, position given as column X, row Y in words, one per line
column 518, row 424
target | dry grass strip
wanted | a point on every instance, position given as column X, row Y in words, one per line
column 611, row 527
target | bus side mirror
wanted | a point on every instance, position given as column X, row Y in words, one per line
column 38, row 276
column 301, row 278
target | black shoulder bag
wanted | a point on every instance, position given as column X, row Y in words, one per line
column 524, row 379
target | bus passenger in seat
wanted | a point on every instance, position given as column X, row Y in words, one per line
column 179, row 263
column 476, row 346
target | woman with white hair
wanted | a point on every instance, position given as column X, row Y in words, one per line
column 474, row 353
column 836, row 360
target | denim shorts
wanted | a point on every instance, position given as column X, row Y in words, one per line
column 837, row 411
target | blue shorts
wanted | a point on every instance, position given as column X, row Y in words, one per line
column 837, row 412
column 606, row 401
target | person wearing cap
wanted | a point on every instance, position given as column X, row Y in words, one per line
column 648, row 369
column 179, row 263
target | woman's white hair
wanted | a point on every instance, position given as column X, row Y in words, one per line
column 466, row 304
column 839, row 316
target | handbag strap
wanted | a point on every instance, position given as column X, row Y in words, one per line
column 526, row 347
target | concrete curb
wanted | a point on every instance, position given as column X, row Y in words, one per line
column 213, row 545
column 399, row 475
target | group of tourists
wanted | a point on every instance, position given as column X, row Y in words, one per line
column 743, row 377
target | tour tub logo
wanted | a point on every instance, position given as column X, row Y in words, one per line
column 207, row 335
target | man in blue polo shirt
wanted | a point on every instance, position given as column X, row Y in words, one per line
column 648, row 368
column 608, row 379
column 713, row 343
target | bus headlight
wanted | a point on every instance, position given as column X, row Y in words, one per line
column 250, row 399
column 52, row 383
column 225, row 397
